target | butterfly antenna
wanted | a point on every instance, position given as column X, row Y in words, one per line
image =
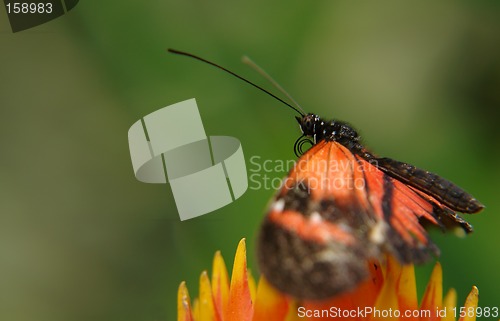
column 177, row 52
column 246, row 60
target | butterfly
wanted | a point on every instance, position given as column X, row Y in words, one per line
column 341, row 206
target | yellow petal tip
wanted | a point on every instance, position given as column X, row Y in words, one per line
column 240, row 300
column 206, row 302
column 183, row 303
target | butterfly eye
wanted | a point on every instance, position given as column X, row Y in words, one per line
column 308, row 126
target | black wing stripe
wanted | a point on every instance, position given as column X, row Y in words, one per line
column 387, row 198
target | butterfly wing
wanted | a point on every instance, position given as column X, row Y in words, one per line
column 440, row 189
column 310, row 243
column 335, row 212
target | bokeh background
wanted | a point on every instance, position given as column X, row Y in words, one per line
column 81, row 239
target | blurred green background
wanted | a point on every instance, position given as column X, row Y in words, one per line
column 82, row 239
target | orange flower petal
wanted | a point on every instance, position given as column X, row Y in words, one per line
column 220, row 285
column 195, row 309
column 449, row 303
column 183, row 304
column 387, row 300
column 406, row 290
column 292, row 311
column 433, row 295
column 471, row 305
column 370, row 289
column 363, row 296
column 240, row 302
column 206, row 305
column 251, row 285
column 270, row 304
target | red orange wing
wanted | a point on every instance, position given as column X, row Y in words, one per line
column 335, row 212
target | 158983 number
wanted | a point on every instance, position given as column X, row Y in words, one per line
column 24, row 7
column 480, row 312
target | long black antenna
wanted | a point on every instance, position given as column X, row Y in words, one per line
column 235, row 75
column 263, row 73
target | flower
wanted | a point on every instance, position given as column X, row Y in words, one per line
column 390, row 294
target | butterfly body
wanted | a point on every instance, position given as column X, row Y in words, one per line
column 341, row 207
column 313, row 126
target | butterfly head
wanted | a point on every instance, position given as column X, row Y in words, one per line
column 313, row 126
column 309, row 124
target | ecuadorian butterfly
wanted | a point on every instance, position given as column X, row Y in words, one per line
column 341, row 206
